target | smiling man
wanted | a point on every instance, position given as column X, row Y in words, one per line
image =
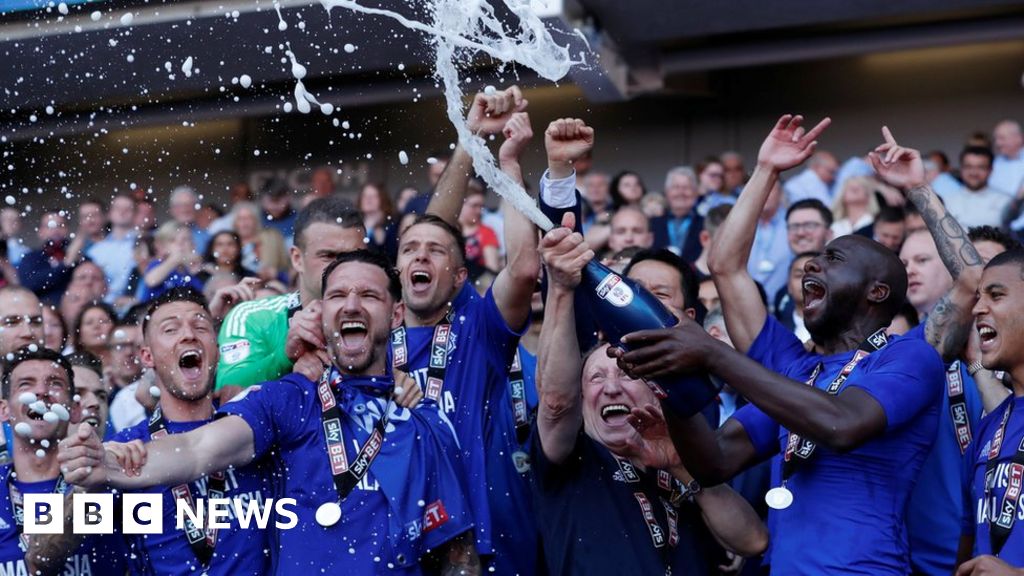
column 848, row 425
column 402, row 507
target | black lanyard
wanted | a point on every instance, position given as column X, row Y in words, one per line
column 1001, row 520
column 346, row 476
column 201, row 541
column 517, row 391
column 802, row 448
column 670, row 498
column 18, row 504
column 958, row 406
column 438, row 365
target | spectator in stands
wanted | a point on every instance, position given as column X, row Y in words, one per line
column 114, row 252
column 47, row 271
column 1008, row 165
column 711, row 186
column 321, row 184
column 176, row 263
column 855, row 206
column 815, row 182
column 277, row 209
column 708, row 294
column 88, row 284
column 927, row 278
column 597, row 193
column 735, row 172
column 21, row 319
column 418, row 204
column 771, row 251
column 274, row 263
column 937, row 172
column 712, row 221
column 10, row 232
column 481, row 241
column 405, row 195
column 679, row 229
column 808, row 226
column 184, row 204
column 93, row 392
column 92, row 226
column 653, row 205
column 989, row 241
column 246, row 223
column 240, row 192
column 379, row 214
column 976, row 203
column 789, row 303
column 55, row 329
column 853, row 167
column 889, row 228
column 125, row 366
column 904, row 321
column 145, row 217
column 92, row 330
column 627, row 189
column 629, row 228
column 224, row 254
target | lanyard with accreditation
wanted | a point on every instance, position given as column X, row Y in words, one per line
column 798, row 449
column 1001, row 520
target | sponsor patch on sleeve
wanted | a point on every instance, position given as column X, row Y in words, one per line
column 434, row 516
column 234, row 352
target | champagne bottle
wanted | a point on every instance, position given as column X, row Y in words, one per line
column 618, row 305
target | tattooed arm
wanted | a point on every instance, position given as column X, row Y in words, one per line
column 47, row 553
column 461, row 558
column 950, row 321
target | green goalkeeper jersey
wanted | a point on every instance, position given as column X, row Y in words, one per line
column 252, row 341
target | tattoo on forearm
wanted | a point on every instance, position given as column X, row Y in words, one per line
column 462, row 559
column 954, row 247
column 947, row 328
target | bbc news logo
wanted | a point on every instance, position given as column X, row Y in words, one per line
column 144, row 513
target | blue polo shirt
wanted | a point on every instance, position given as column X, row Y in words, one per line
column 591, row 520
column 934, row 516
column 409, row 503
column 98, row 554
column 848, row 512
column 238, row 550
column 480, row 350
column 978, row 512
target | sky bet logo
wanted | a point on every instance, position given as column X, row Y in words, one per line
column 144, row 513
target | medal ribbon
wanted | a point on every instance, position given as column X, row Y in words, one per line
column 438, row 364
column 958, row 406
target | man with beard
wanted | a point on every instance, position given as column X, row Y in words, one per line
column 398, row 503
column 35, row 383
column 586, row 451
column 180, row 345
column 849, row 423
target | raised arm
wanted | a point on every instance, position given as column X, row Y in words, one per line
column 785, row 147
column 950, row 321
column 513, row 288
column 171, row 460
column 560, row 410
column 488, row 115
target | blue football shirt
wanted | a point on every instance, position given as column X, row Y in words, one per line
column 480, row 350
column 934, row 516
column 410, row 501
column 99, row 554
column 238, row 550
column 847, row 515
column 978, row 512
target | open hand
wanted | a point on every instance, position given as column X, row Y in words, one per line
column 788, row 145
column 653, row 448
column 897, row 166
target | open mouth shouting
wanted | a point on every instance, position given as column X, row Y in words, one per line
column 989, row 337
column 814, row 293
column 353, row 335
column 615, row 414
column 420, row 281
column 190, row 364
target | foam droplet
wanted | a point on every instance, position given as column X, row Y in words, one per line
column 96, row 16
column 282, row 25
column 40, row 453
column 61, row 412
column 327, row 108
column 245, row 80
column 62, row 8
column 10, row 200
column 26, row 398
column 399, row 390
column 126, row 19
column 22, row 428
column 349, row 48
column 33, row 348
column 39, row 407
column 77, row 398
column 403, row 157
column 154, row 391
column 490, row 89
column 51, row 417
column 44, row 443
column 186, row 67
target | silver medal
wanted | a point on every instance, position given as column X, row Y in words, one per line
column 779, row 498
column 328, row 514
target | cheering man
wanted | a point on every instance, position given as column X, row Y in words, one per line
column 849, row 423
column 398, row 500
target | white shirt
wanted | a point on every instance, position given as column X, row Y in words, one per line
column 1007, row 173
column 982, row 208
column 125, row 410
column 807, row 185
column 844, row 227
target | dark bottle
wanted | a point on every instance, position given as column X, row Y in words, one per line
column 618, row 305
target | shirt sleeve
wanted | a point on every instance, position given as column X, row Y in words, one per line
column 501, row 338
column 905, row 380
column 446, row 514
column 762, row 430
column 775, row 347
column 247, row 354
column 270, row 411
column 558, row 193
